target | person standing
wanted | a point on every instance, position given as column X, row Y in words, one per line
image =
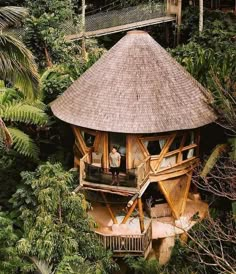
column 114, row 161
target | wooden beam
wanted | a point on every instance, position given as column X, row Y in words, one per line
column 109, row 209
column 80, row 140
column 142, row 147
column 97, row 141
column 180, row 156
column 189, row 178
column 197, row 140
column 105, row 151
column 164, row 151
column 129, row 163
column 141, row 216
column 131, row 201
column 131, row 209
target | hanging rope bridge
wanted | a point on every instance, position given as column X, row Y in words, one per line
column 117, row 19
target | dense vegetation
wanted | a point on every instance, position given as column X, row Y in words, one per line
column 43, row 224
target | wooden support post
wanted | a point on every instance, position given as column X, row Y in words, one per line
column 180, row 158
column 197, row 141
column 109, row 209
column 97, row 141
column 141, row 217
column 79, row 140
column 129, row 212
column 128, row 152
column 105, row 151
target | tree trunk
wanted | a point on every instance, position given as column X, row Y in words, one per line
column 200, row 16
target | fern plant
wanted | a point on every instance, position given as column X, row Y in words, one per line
column 15, row 110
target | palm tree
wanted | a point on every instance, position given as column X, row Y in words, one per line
column 17, row 64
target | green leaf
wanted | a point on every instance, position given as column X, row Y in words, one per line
column 23, row 144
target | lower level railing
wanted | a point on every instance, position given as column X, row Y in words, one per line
column 127, row 244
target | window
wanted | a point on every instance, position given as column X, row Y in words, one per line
column 154, row 147
column 176, row 143
column 88, row 138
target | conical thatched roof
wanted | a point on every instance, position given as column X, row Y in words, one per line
column 136, row 87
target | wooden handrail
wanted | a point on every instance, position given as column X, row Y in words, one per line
column 142, row 171
column 83, row 160
column 127, row 243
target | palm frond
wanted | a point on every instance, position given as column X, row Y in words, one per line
column 211, row 161
column 21, row 112
column 11, row 15
column 17, row 65
column 42, row 266
column 23, row 144
column 8, row 95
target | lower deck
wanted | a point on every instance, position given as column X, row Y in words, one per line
column 127, row 238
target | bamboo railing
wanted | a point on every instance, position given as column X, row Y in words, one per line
column 85, row 159
column 143, row 171
column 127, row 244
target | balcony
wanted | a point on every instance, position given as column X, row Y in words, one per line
column 93, row 175
column 133, row 244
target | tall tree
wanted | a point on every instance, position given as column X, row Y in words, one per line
column 200, row 15
column 56, row 227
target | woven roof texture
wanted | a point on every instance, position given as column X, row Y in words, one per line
column 136, row 87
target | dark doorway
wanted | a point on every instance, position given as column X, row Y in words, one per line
column 119, row 140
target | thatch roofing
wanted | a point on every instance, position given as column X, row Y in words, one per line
column 136, row 87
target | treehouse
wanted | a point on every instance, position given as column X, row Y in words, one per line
column 138, row 98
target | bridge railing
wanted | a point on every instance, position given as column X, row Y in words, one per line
column 117, row 17
column 124, row 16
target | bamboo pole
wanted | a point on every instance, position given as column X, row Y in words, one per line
column 131, row 201
column 141, row 217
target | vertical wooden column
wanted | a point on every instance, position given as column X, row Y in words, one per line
column 141, row 216
column 197, row 141
column 129, row 164
column 105, row 152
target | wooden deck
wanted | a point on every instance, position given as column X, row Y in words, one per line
column 111, row 30
column 133, row 244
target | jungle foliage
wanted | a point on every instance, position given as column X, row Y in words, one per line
column 45, row 225
column 52, row 226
